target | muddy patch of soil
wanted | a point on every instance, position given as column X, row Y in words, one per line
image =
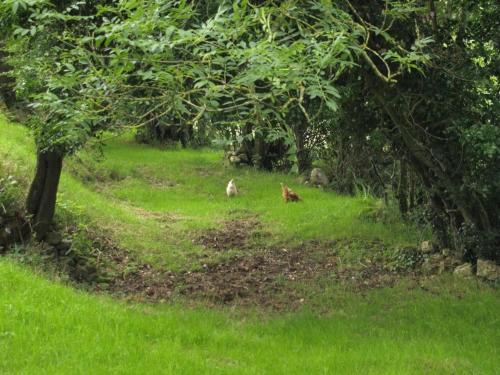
column 269, row 277
column 262, row 279
column 142, row 282
column 257, row 279
column 231, row 234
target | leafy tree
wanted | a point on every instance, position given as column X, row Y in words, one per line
column 443, row 122
column 271, row 68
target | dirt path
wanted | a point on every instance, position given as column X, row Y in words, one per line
column 278, row 277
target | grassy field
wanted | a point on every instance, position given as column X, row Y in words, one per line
column 153, row 202
column 50, row 329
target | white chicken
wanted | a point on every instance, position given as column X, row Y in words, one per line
column 231, row 189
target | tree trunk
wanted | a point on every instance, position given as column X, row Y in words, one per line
column 41, row 200
column 425, row 156
column 411, row 192
column 300, row 126
column 403, row 187
column 247, row 145
column 259, row 157
column 303, row 155
column 433, row 17
column 7, row 93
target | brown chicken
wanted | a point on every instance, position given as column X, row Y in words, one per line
column 289, row 195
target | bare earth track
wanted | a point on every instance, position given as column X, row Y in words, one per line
column 255, row 275
column 266, row 277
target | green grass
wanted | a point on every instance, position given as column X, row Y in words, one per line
column 132, row 184
column 198, row 194
column 47, row 328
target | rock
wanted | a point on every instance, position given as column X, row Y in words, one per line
column 464, row 270
column 434, row 264
column 53, row 238
column 235, row 160
column 318, row 177
column 488, row 270
column 427, row 247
